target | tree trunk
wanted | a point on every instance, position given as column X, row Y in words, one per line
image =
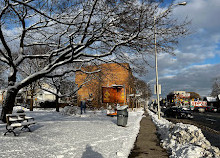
column 57, row 104
column 8, row 103
column 32, row 100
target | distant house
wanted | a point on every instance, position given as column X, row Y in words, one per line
column 24, row 95
column 211, row 101
column 43, row 95
column 111, row 75
column 39, row 95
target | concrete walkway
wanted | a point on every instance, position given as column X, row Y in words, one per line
column 147, row 143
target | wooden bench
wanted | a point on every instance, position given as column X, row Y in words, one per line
column 18, row 120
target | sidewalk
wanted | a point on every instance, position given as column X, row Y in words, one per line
column 147, row 143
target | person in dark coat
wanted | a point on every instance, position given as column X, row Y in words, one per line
column 83, row 106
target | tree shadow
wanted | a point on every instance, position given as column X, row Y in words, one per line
column 89, row 153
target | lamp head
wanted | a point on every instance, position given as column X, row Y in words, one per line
column 182, row 3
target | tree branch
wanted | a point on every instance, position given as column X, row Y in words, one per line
column 88, row 23
column 39, row 12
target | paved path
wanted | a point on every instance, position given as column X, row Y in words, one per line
column 147, row 143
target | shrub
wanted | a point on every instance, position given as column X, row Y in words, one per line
column 48, row 104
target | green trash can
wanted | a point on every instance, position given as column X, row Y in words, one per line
column 122, row 115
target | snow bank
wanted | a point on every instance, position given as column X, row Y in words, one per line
column 183, row 140
column 19, row 108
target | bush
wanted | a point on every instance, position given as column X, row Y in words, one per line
column 62, row 105
column 70, row 110
column 48, row 104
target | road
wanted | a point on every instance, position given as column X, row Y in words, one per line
column 208, row 122
column 209, row 119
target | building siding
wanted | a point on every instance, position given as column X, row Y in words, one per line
column 110, row 74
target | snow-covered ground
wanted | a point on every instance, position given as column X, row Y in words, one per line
column 92, row 135
column 183, row 140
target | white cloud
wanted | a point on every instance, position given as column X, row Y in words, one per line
column 192, row 68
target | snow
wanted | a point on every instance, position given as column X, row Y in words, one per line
column 183, row 140
column 68, row 134
column 122, row 107
column 71, row 135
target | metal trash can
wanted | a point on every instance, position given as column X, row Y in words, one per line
column 122, row 115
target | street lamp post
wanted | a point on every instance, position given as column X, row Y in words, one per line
column 155, row 44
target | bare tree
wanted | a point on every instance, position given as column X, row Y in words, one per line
column 194, row 95
column 29, row 67
column 69, row 90
column 77, row 32
column 143, row 88
column 58, row 83
column 64, row 88
column 216, row 87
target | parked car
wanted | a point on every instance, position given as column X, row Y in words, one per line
column 200, row 109
column 163, row 108
column 178, row 112
column 211, row 109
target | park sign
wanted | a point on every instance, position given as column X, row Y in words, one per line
column 113, row 95
column 159, row 89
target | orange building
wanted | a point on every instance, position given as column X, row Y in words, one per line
column 118, row 76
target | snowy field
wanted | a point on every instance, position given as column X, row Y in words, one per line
column 92, row 135
column 183, row 140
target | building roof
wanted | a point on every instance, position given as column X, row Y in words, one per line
column 211, row 99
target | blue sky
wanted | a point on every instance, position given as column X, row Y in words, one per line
column 197, row 60
column 197, row 57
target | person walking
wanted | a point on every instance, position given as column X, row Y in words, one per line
column 83, row 106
